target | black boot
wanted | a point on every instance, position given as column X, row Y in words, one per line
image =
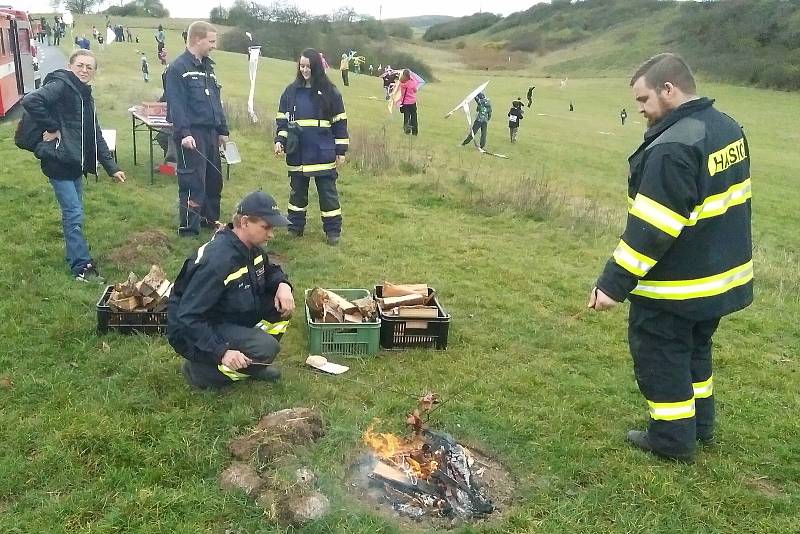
column 639, row 439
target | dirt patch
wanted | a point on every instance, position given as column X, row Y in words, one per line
column 488, row 471
column 278, row 259
column 764, row 486
column 148, row 247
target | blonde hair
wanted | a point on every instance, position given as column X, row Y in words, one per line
column 82, row 52
column 199, row 30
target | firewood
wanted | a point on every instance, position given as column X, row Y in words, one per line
column 416, row 311
column 332, row 313
column 152, row 280
column 399, row 290
column 354, row 317
column 388, row 303
column 367, row 307
column 345, row 305
column 124, row 304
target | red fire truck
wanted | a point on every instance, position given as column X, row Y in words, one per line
column 17, row 53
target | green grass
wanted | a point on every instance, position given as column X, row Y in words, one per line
column 113, row 441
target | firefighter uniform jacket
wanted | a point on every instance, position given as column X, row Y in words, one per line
column 223, row 282
column 321, row 138
column 193, row 96
column 687, row 246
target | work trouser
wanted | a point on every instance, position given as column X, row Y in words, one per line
column 410, row 125
column 477, row 125
column 513, row 133
column 672, row 362
column 199, row 181
column 330, row 211
column 345, row 79
column 260, row 343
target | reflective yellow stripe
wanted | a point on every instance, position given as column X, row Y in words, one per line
column 273, row 328
column 632, row 260
column 343, row 141
column 704, row 389
column 659, row 216
column 258, row 259
column 313, row 122
column 699, row 287
column 200, row 252
column 339, row 117
column 723, row 158
column 283, row 133
column 630, row 203
column 292, row 207
column 279, row 116
column 312, row 168
column 230, row 373
column 718, row 204
column 331, row 213
column 670, row 411
column 233, row 276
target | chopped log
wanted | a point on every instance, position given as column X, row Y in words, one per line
column 315, row 302
column 367, row 307
column 345, row 305
column 124, row 304
column 331, row 313
column 400, row 480
column 387, row 303
column 152, row 281
column 354, row 317
column 419, row 312
column 398, row 290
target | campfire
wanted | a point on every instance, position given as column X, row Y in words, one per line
column 428, row 474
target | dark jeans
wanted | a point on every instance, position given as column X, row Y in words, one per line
column 410, row 125
column 330, row 211
column 69, row 194
column 251, row 341
column 672, row 363
column 345, row 79
column 477, row 125
column 199, row 181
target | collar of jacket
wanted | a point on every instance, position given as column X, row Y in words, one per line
column 197, row 62
column 682, row 111
column 231, row 236
column 72, row 81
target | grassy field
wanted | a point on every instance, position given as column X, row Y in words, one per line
column 100, row 434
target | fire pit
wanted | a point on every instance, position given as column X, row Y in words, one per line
column 431, row 477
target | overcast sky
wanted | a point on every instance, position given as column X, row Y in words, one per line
column 398, row 8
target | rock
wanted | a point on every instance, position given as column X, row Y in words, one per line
column 305, row 476
column 241, row 476
column 306, row 507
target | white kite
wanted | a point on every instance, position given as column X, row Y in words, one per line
column 110, row 35
column 67, row 19
column 464, row 105
column 254, row 52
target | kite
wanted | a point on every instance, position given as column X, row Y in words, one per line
column 110, row 35
column 253, row 52
column 395, row 96
column 464, row 105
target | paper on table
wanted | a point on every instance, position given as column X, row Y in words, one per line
column 322, row 363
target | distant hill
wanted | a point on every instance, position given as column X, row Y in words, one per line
column 423, row 22
column 755, row 42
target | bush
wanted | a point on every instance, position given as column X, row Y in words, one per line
column 461, row 26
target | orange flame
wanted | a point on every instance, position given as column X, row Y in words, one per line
column 398, row 451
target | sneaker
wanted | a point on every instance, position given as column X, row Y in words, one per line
column 89, row 274
column 332, row 240
column 269, row 373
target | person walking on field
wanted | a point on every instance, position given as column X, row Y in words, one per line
column 530, row 95
column 483, row 114
column 685, row 257
column 72, row 145
column 344, row 66
column 194, row 107
column 312, row 133
column 408, row 102
column 515, row 115
column 623, row 115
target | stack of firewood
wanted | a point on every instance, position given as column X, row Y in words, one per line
column 326, row 306
column 407, row 300
column 150, row 294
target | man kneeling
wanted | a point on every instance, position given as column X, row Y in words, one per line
column 229, row 305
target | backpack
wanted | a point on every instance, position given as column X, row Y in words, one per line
column 28, row 133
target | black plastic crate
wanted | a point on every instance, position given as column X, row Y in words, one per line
column 153, row 323
column 405, row 332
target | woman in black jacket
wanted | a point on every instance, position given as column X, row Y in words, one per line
column 72, row 144
column 312, row 132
